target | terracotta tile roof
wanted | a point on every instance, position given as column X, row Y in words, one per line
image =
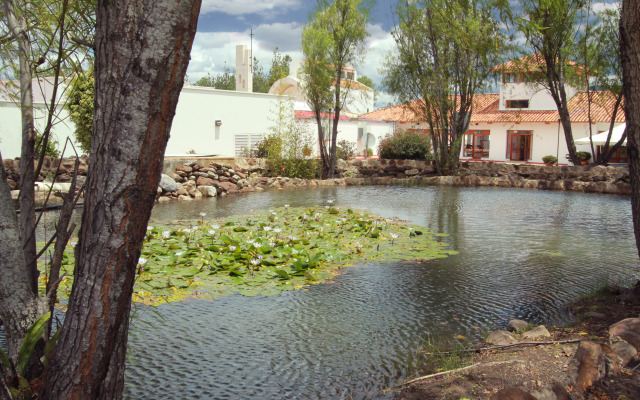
column 531, row 63
column 348, row 83
column 486, row 109
column 310, row 114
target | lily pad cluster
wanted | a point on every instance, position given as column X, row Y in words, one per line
column 268, row 251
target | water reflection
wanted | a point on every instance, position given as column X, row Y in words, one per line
column 522, row 254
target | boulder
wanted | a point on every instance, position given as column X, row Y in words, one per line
column 517, row 325
column 592, row 362
column 202, row 181
column 411, row 172
column 628, row 330
column 512, row 394
column 208, row 191
column 500, row 338
column 228, row 187
column 537, row 332
column 184, row 168
column 167, row 184
column 624, row 350
column 182, row 192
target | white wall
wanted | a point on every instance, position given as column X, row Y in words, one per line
column 198, row 109
column 539, row 97
column 348, row 130
column 11, row 128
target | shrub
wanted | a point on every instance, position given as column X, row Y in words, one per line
column 406, row 145
column 50, row 150
column 583, row 155
column 80, row 106
column 345, row 150
column 549, row 159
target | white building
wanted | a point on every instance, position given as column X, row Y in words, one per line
column 521, row 123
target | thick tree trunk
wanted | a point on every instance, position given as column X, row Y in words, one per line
column 142, row 52
column 630, row 57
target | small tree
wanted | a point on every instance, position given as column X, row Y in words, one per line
column 225, row 80
column 80, row 106
column 444, row 51
column 333, row 38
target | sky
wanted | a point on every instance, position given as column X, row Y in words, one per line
column 223, row 25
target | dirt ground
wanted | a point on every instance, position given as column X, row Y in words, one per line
column 542, row 369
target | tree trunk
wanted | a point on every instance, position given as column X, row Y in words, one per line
column 142, row 53
column 630, row 57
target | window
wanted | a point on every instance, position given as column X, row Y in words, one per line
column 620, row 156
column 519, row 145
column 512, row 78
column 476, row 144
column 517, row 103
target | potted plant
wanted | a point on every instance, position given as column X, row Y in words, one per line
column 583, row 157
column 549, row 160
column 306, row 151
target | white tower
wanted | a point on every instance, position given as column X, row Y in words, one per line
column 244, row 74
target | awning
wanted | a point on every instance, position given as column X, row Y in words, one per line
column 601, row 138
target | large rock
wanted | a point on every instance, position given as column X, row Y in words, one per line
column 628, row 330
column 518, row 325
column 202, row 181
column 167, row 184
column 227, row 187
column 537, row 332
column 207, row 191
column 501, row 338
column 592, row 362
column 512, row 394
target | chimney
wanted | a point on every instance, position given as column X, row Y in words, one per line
column 244, row 74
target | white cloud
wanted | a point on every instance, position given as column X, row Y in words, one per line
column 211, row 50
column 378, row 45
column 599, row 7
column 241, row 7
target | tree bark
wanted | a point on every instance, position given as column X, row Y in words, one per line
column 630, row 57
column 142, row 53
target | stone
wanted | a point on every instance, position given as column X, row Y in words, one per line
column 517, row 325
column 623, row 349
column 207, row 191
column 185, row 198
column 592, row 362
column 537, row 332
column 411, row 172
column 628, row 330
column 196, row 194
column 512, row 394
column 167, row 184
column 202, row 181
column 228, row 187
column 182, row 192
column 500, row 338
column 164, row 199
column 184, row 168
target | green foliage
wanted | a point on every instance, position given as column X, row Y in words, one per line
column 549, row 159
column 333, row 38
column 31, row 338
column 279, row 69
column 225, row 80
column 286, row 143
column 443, row 355
column 267, row 252
column 51, row 148
column 365, row 80
column 345, row 150
column 80, row 105
column 406, row 145
column 583, row 155
column 445, row 70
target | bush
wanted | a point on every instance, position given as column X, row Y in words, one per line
column 263, row 146
column 549, row 159
column 583, row 155
column 80, row 106
column 345, row 150
column 406, row 145
column 52, row 146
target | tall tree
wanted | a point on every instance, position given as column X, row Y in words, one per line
column 630, row 57
column 36, row 44
column 225, row 80
column 142, row 51
column 551, row 28
column 333, row 39
column 444, row 51
column 601, row 34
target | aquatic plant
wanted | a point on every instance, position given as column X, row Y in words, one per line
column 267, row 252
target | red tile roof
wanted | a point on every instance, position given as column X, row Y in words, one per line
column 530, row 63
column 486, row 109
column 310, row 114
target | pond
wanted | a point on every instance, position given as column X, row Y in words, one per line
column 522, row 254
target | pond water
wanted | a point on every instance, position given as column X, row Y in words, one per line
column 522, row 254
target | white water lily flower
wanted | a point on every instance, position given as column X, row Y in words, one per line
column 255, row 262
column 260, row 257
column 215, row 226
column 232, row 248
column 330, row 202
column 266, row 228
column 257, row 245
column 142, row 261
column 318, row 215
column 394, row 236
column 73, row 244
column 149, row 228
column 211, row 232
column 202, row 214
column 271, row 244
column 277, row 230
column 166, row 234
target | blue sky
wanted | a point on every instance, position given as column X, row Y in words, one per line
column 223, row 25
